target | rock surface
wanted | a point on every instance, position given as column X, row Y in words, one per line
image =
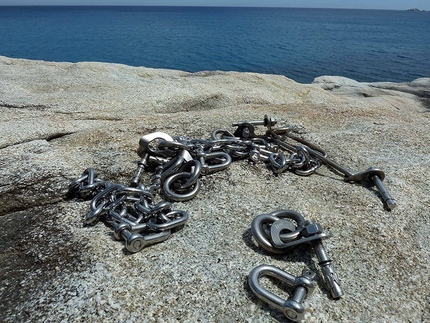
column 59, row 118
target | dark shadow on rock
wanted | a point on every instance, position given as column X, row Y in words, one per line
column 35, row 248
column 426, row 103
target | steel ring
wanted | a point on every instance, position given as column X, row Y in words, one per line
column 258, row 232
column 180, row 197
column 293, row 215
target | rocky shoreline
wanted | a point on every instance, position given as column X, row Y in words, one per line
column 59, row 118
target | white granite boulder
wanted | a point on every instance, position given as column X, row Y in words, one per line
column 57, row 119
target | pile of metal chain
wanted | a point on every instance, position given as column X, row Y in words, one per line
column 177, row 164
column 131, row 211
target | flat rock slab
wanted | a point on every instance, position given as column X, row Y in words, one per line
column 57, row 119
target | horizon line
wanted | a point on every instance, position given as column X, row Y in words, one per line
column 197, row 6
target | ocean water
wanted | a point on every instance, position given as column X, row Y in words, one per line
column 366, row 45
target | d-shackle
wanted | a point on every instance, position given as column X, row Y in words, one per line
column 293, row 307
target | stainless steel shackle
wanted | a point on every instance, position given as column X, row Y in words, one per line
column 293, row 307
column 144, row 142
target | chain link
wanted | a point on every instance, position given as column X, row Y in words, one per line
column 177, row 163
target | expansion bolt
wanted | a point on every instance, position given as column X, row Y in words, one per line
column 245, row 129
column 330, row 275
column 386, row 197
column 267, row 121
column 370, row 175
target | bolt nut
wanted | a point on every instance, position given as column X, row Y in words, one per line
column 311, row 229
column 269, row 121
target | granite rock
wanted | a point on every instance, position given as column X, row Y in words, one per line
column 57, row 119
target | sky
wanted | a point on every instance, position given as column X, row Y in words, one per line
column 349, row 4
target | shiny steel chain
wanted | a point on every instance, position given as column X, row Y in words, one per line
column 177, row 163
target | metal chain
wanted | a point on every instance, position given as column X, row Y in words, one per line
column 177, row 164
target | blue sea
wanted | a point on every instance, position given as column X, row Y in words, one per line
column 366, row 45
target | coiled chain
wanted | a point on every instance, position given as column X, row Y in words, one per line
column 177, row 164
